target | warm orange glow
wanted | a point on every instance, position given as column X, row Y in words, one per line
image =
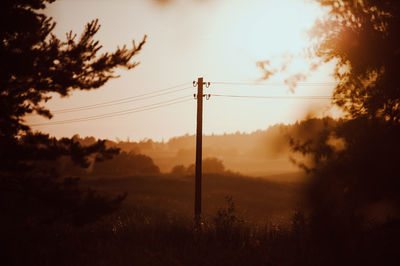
column 219, row 40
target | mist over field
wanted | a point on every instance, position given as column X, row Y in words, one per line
column 263, row 153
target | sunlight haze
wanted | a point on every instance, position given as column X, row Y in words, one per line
column 219, row 40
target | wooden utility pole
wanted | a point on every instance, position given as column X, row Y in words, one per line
column 199, row 148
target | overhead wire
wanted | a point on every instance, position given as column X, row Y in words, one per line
column 149, row 95
column 300, row 97
column 321, row 97
column 178, row 100
column 265, row 84
column 170, row 90
column 119, row 113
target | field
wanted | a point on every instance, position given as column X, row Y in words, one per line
column 256, row 199
column 259, row 226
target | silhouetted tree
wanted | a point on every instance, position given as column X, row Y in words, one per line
column 364, row 37
column 35, row 63
column 179, row 170
column 125, row 164
column 355, row 162
column 209, row 165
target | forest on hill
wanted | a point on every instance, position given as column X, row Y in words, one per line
column 260, row 153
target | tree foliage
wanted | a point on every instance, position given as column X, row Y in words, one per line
column 34, row 64
column 210, row 165
column 126, row 164
column 354, row 163
column 364, row 37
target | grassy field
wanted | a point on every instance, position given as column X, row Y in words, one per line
column 155, row 227
column 256, row 199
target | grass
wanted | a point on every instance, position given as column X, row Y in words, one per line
column 139, row 236
column 257, row 199
column 146, row 233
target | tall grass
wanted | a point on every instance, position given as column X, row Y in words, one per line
column 142, row 236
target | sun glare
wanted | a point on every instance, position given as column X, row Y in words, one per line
column 267, row 28
column 274, row 32
column 219, row 40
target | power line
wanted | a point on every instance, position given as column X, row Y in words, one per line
column 276, row 97
column 124, row 100
column 274, row 83
column 124, row 112
column 117, row 103
column 169, row 91
column 119, row 113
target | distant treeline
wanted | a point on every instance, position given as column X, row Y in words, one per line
column 258, row 151
column 123, row 164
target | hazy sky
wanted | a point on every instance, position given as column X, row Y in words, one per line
column 220, row 40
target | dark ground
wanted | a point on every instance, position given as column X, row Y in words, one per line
column 256, row 199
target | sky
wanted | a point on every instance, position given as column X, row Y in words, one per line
column 219, row 40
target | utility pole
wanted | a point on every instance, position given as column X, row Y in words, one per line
column 199, row 155
column 199, row 148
